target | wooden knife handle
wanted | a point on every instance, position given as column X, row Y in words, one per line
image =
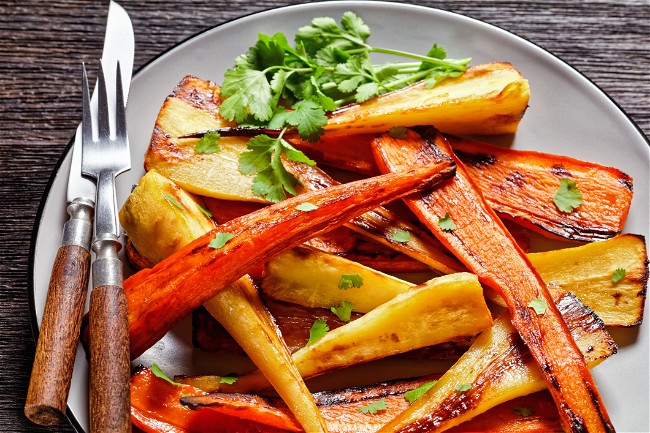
column 57, row 342
column 109, row 361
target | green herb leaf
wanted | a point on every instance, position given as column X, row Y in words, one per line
column 208, row 144
column 309, row 117
column 220, row 240
column 171, row 199
column 343, row 311
column 398, row 132
column 401, row 236
column 374, row 407
column 247, row 91
column 348, row 281
column 568, row 197
column 539, row 305
column 446, row 223
column 523, row 411
column 464, row 387
column 263, row 158
column 306, row 207
column 416, row 393
column 618, row 275
column 205, row 211
column 317, row 330
column 161, row 374
column 229, row 379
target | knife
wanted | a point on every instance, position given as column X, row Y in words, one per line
column 61, row 321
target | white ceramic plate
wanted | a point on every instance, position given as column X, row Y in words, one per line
column 568, row 115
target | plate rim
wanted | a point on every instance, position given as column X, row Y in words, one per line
column 70, row 416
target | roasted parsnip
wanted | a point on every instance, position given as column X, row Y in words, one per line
column 440, row 310
column 459, row 216
column 161, row 296
column 160, row 218
column 498, row 368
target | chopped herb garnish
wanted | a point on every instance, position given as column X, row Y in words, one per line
column 208, row 144
column 446, row 223
column 343, row 311
column 523, row 411
column 171, row 199
column 618, row 275
column 397, row 132
column 220, row 240
column 229, row 379
column 568, row 197
column 205, row 211
column 418, row 392
column 348, row 281
column 306, row 206
column 464, row 387
column 374, row 407
column 317, row 330
column 401, row 236
column 328, row 66
column 539, row 305
column 161, row 374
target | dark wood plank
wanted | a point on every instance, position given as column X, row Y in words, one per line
column 42, row 43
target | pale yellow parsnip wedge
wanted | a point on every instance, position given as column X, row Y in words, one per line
column 440, row 310
column 498, row 368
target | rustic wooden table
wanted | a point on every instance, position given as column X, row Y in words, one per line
column 42, row 43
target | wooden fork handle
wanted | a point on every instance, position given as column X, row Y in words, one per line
column 109, row 361
column 57, row 342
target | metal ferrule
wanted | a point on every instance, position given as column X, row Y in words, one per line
column 107, row 267
column 78, row 229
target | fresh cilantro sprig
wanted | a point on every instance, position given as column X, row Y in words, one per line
column 278, row 86
column 264, row 159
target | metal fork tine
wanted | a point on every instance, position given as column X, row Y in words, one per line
column 120, row 115
column 103, row 123
column 86, row 119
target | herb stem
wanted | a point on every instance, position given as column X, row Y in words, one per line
column 459, row 65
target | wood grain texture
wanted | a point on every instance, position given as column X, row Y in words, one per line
column 59, row 335
column 42, row 43
column 110, row 367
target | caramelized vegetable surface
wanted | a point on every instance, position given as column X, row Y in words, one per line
column 152, row 216
column 481, row 241
column 159, row 297
column 486, row 99
column 518, row 184
column 497, row 368
column 448, row 308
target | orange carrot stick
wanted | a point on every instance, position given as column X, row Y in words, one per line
column 480, row 240
column 161, row 296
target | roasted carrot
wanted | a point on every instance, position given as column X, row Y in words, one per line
column 341, row 241
column 381, row 224
column 341, row 409
column 518, row 184
column 155, row 407
column 459, row 216
column 159, row 297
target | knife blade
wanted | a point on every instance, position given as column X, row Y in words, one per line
column 67, row 291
